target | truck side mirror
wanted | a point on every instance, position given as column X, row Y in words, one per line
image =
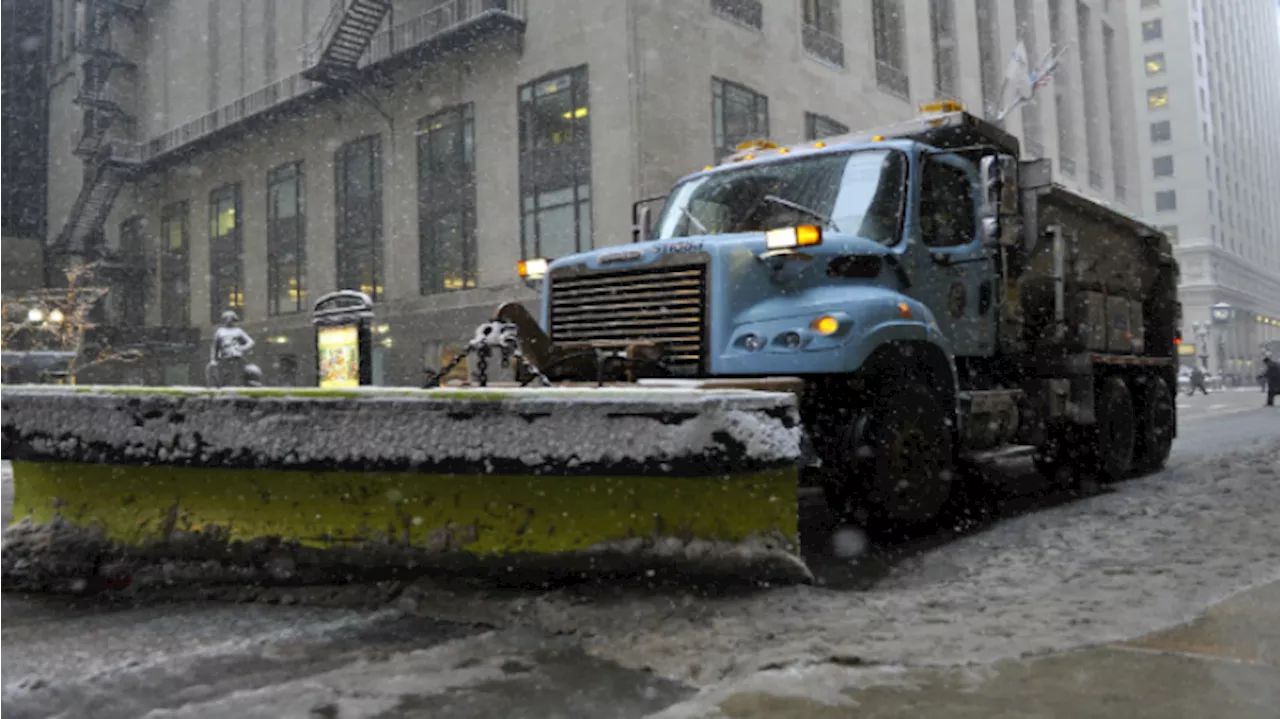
column 642, row 230
column 641, row 218
column 991, row 179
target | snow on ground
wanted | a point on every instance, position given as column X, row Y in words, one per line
column 1150, row 554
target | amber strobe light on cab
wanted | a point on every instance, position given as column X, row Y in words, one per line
column 787, row 237
column 532, row 269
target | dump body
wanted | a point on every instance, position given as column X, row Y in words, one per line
column 1114, row 290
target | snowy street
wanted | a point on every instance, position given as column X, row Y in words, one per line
column 1038, row 573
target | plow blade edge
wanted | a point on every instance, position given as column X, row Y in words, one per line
column 147, row 485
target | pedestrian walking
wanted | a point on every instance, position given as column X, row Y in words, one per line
column 1272, row 376
column 1197, row 381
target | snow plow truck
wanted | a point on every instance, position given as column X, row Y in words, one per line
column 862, row 312
column 932, row 296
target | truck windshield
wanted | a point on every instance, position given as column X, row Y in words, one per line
column 860, row 192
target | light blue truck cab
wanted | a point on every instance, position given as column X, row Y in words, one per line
column 868, row 264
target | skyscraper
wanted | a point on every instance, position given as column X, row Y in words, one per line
column 1208, row 97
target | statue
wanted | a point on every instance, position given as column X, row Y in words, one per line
column 227, row 361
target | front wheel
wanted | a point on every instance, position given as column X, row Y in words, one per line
column 895, row 464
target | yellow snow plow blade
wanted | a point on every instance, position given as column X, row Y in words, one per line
column 549, row 481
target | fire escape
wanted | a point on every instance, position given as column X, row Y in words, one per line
column 107, row 159
column 335, row 54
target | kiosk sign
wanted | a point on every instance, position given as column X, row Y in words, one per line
column 339, row 356
column 343, row 342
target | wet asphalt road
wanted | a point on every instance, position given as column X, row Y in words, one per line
column 114, row 659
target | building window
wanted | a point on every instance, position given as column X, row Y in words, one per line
column 747, row 12
column 1162, row 166
column 1171, row 231
column 738, row 114
column 133, row 258
column 888, row 34
column 447, row 201
column 821, row 31
column 175, row 267
column 1161, row 131
column 1157, row 98
column 942, row 26
column 818, row 126
column 555, row 165
column 226, row 253
column 989, row 57
column 1152, row 30
column 357, row 175
column 1166, row 201
column 286, row 239
column 1155, row 63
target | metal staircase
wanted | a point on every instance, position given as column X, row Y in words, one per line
column 106, row 162
column 102, row 183
column 335, row 53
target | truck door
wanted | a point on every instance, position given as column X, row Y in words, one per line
column 953, row 272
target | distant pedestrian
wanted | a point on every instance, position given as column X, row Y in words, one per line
column 1197, row 381
column 1272, row 375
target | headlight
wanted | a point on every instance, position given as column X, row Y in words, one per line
column 825, row 325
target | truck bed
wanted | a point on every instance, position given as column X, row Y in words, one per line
column 1092, row 279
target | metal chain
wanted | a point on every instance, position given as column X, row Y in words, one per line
column 507, row 343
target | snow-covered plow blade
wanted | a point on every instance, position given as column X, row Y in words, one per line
column 136, row 485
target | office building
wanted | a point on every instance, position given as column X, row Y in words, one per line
column 25, row 143
column 1207, row 93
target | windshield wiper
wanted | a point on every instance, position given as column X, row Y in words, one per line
column 694, row 220
column 801, row 208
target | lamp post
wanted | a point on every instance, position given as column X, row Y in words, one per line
column 1221, row 314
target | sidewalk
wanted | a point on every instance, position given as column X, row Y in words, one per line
column 1224, row 665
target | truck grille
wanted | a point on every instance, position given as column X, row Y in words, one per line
column 662, row 305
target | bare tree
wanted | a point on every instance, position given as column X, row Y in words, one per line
column 65, row 320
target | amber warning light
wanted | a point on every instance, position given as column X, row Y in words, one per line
column 785, row 238
column 532, row 269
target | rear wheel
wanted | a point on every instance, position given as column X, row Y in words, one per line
column 1155, row 427
column 893, row 464
column 1115, row 432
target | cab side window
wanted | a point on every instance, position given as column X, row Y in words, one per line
column 948, row 217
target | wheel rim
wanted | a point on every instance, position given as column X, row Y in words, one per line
column 908, row 481
column 1159, row 418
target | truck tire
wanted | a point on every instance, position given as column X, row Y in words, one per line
column 1155, row 427
column 1053, row 460
column 1114, row 434
column 894, row 463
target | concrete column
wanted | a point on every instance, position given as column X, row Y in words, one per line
column 253, row 239
column 321, row 252
column 400, row 264
column 968, row 78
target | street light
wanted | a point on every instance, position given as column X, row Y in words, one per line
column 35, row 315
column 55, row 316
